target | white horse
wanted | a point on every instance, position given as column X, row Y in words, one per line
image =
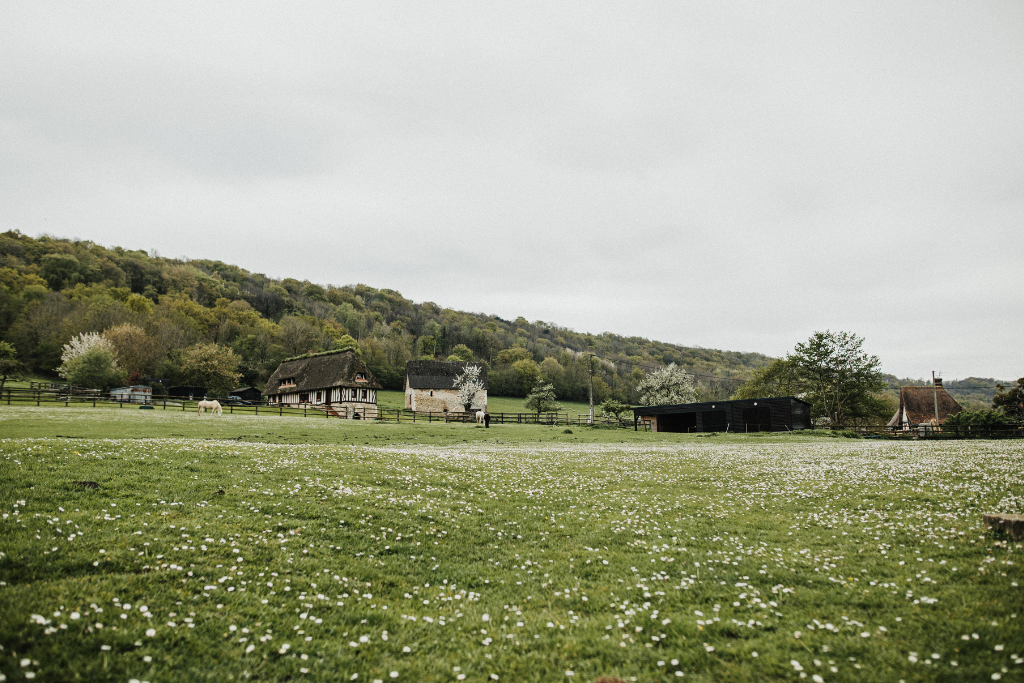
column 479, row 417
column 212, row 406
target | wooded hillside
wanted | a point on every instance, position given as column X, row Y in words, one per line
column 53, row 289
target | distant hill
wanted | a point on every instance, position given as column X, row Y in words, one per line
column 972, row 393
column 52, row 289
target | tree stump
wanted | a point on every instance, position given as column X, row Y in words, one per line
column 1011, row 525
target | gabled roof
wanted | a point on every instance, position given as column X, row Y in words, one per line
column 321, row 372
column 439, row 374
column 919, row 405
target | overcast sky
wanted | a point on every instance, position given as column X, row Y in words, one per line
column 727, row 175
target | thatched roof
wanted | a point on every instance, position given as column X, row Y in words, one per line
column 439, row 374
column 919, row 405
column 321, row 371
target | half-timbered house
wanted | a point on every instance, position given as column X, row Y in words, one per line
column 336, row 381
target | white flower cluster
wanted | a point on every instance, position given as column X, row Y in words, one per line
column 81, row 344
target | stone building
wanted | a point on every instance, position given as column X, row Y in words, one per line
column 430, row 386
column 336, row 381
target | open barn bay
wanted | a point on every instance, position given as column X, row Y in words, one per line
column 516, row 558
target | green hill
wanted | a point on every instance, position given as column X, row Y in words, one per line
column 53, row 289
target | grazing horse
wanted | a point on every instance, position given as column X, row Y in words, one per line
column 479, row 417
column 212, row 406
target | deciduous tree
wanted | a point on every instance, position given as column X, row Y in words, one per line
column 462, row 353
column 137, row 352
column 97, row 368
column 840, row 378
column 614, row 408
column 542, row 399
column 779, row 378
column 468, row 383
column 1010, row 401
column 10, row 366
column 82, row 344
column 211, row 366
column 666, row 386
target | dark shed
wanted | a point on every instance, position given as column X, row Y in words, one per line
column 187, row 392
column 248, row 394
column 778, row 414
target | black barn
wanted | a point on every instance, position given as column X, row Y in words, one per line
column 750, row 415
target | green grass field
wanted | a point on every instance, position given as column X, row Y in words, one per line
column 393, row 400
column 346, row 550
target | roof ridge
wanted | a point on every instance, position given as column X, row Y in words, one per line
column 320, row 353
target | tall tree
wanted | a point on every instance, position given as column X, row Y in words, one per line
column 1010, row 401
column 212, row 366
column 841, row 379
column 779, row 378
column 97, row 368
column 542, row 399
column 10, row 366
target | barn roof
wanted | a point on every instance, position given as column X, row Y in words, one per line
column 712, row 405
column 439, row 374
column 919, row 405
column 321, row 371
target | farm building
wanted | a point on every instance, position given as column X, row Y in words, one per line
column 337, row 382
column 247, row 394
column 187, row 392
column 919, row 405
column 430, row 386
column 137, row 393
column 752, row 415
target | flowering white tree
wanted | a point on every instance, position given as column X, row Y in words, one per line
column 667, row 386
column 82, row 344
column 467, row 384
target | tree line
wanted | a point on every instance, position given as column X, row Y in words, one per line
column 177, row 319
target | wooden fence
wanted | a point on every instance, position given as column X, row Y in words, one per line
column 37, row 396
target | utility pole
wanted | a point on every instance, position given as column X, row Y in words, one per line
column 590, row 365
column 935, row 394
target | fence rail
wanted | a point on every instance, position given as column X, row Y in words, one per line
column 55, row 394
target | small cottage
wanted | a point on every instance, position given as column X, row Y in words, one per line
column 137, row 393
column 336, row 381
column 920, row 405
column 430, row 386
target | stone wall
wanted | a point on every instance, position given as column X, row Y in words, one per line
column 441, row 400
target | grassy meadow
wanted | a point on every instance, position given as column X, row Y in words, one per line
column 160, row 546
column 395, row 400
